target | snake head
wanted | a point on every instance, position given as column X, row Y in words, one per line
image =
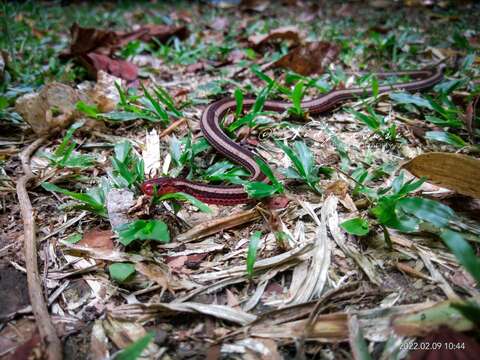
column 160, row 186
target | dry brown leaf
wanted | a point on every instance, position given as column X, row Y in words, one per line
column 98, row 239
column 155, row 273
column 54, row 107
column 310, row 58
column 213, row 226
column 453, row 171
column 290, row 33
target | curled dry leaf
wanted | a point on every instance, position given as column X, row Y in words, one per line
column 311, row 58
column 453, row 171
column 290, row 33
column 50, row 109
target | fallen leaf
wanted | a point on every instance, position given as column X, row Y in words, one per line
column 176, row 263
column 310, row 58
column 95, row 62
column 453, row 171
column 155, row 273
column 32, row 348
column 54, row 107
column 97, row 239
column 290, row 33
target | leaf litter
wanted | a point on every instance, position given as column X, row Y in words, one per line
column 181, row 274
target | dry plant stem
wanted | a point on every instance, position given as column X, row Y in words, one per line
column 39, row 307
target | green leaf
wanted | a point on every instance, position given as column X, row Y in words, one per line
column 73, row 238
column 133, row 351
column 469, row 309
column 92, row 199
column 252, row 251
column 446, row 137
column 369, row 120
column 258, row 190
column 463, row 252
column 120, row 116
column 89, row 110
column 187, row 197
column 239, row 101
column 356, row 226
column 374, row 86
column 448, row 86
column 427, row 210
column 404, row 98
column 143, row 230
column 121, row 272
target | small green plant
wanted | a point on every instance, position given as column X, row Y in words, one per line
column 296, row 99
column 250, row 119
column 185, row 151
column 143, row 230
column 93, row 200
column 252, row 252
column 377, row 124
column 304, row 167
column 225, row 171
column 64, row 155
column 162, row 105
column 128, row 168
column 259, row 190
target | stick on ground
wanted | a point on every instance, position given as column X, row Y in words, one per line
column 39, row 307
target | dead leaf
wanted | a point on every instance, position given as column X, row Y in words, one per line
column 95, row 62
column 54, row 107
column 98, row 239
column 32, row 348
column 176, row 263
column 289, row 33
column 255, row 5
column 453, row 171
column 155, row 273
column 310, row 58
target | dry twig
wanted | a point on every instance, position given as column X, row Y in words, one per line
column 39, row 307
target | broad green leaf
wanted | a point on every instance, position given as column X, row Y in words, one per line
column 463, row 251
column 143, row 230
column 448, row 86
column 121, row 272
column 446, row 137
column 455, row 123
column 187, row 197
column 404, row 98
column 133, row 351
column 259, row 190
column 356, row 226
column 252, row 251
column 427, row 210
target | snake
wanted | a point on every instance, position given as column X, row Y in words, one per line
column 214, row 113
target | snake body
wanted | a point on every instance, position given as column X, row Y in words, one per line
column 211, row 129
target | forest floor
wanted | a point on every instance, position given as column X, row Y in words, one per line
column 364, row 244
